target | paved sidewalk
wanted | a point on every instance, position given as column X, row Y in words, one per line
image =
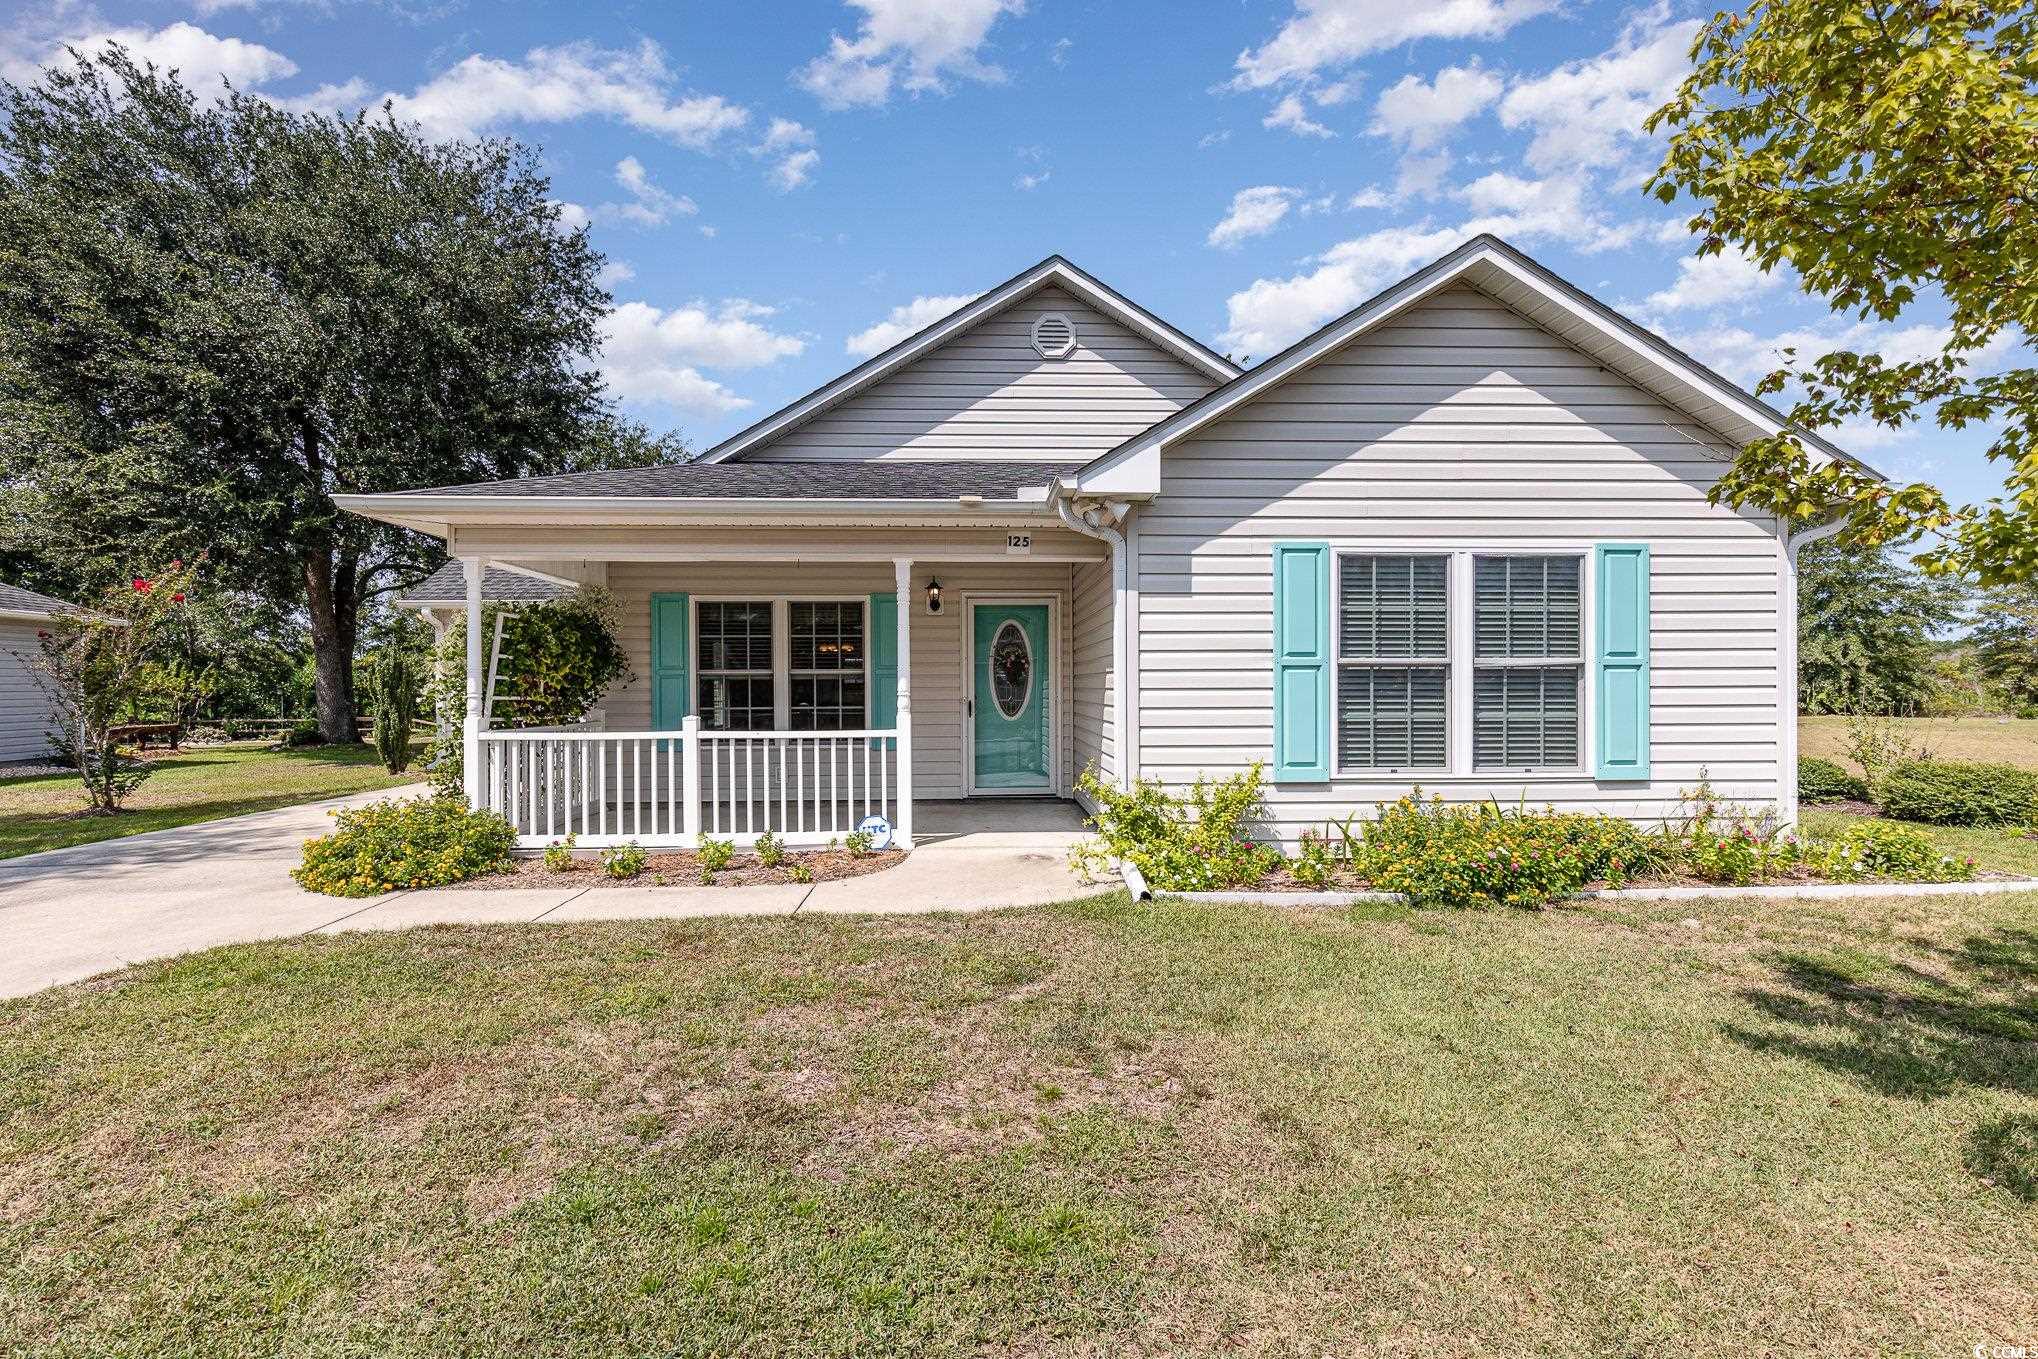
column 72, row 913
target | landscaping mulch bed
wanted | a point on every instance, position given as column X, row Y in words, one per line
column 683, row 869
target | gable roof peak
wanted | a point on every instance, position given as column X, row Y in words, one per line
column 1054, row 268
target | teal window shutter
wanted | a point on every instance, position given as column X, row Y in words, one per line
column 669, row 620
column 1623, row 660
column 1301, row 662
column 884, row 661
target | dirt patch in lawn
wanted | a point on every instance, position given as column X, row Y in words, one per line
column 683, row 869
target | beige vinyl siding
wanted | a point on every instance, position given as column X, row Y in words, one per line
column 24, row 708
column 1095, row 736
column 1457, row 425
column 987, row 394
column 937, row 660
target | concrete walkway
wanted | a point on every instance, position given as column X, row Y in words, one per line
column 72, row 913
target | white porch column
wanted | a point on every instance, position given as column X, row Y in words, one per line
column 902, row 570
column 470, row 743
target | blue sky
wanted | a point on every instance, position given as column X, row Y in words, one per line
column 784, row 186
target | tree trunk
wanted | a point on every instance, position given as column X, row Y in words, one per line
column 332, row 653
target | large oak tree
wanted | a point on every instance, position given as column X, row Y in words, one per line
column 1887, row 150
column 216, row 313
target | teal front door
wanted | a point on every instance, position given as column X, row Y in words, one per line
column 1009, row 699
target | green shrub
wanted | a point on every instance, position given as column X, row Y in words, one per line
column 393, row 698
column 1193, row 842
column 1317, row 861
column 624, row 861
column 303, row 732
column 1826, row 781
column 714, row 856
column 1954, row 793
column 1718, row 841
column 801, row 873
column 1881, row 849
column 559, row 855
column 770, row 850
column 859, row 843
column 411, row 842
column 1439, row 855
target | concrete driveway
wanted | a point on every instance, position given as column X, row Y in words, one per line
column 73, row 913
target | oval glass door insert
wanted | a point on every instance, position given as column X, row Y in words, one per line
column 1011, row 670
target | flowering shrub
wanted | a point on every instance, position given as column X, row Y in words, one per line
column 559, row 855
column 411, row 842
column 1439, row 855
column 624, row 861
column 1880, row 849
column 1181, row 843
column 714, row 855
column 1317, row 862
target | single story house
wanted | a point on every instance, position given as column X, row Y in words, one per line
column 24, row 707
column 1458, row 538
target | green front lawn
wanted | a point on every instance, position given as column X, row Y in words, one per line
column 199, row 785
column 1691, row 1128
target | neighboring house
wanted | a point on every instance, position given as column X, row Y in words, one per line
column 1458, row 538
column 24, row 707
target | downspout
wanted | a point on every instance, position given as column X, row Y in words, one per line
column 1787, row 644
column 1099, row 519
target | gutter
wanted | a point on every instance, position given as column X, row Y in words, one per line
column 1101, row 520
column 1786, row 641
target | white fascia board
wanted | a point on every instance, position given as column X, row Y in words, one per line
column 24, row 616
column 1134, row 466
column 438, row 516
column 1053, row 270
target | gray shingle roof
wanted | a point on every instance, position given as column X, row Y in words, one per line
column 448, row 585
column 14, row 599
column 870, row 480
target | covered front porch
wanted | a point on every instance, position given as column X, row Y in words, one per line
column 809, row 688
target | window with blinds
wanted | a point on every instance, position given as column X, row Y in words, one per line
column 1393, row 672
column 734, row 674
column 827, row 665
column 1528, row 663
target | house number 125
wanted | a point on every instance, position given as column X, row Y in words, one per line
column 1018, row 544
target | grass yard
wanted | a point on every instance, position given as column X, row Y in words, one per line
column 1705, row 1128
column 2003, row 740
column 197, row 785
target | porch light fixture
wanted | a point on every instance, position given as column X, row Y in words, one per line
column 933, row 596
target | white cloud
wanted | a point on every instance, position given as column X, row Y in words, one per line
column 1421, row 114
column 558, row 84
column 916, row 45
column 790, row 148
column 649, row 205
column 201, row 59
column 1369, row 198
column 1210, row 139
column 1745, row 356
column 572, row 216
column 614, row 272
column 1326, row 34
column 1028, row 182
column 1713, row 281
column 1254, row 212
column 1059, row 53
column 794, row 170
column 1588, row 114
column 901, row 321
column 1274, row 312
column 654, row 356
column 1288, row 113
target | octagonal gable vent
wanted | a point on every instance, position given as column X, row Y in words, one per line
column 1054, row 336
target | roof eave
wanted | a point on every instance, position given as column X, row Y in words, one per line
column 436, row 515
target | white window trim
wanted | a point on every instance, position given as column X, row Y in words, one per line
column 781, row 651
column 1462, row 663
column 1339, row 662
column 1474, row 665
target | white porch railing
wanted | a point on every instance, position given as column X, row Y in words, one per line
column 668, row 788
